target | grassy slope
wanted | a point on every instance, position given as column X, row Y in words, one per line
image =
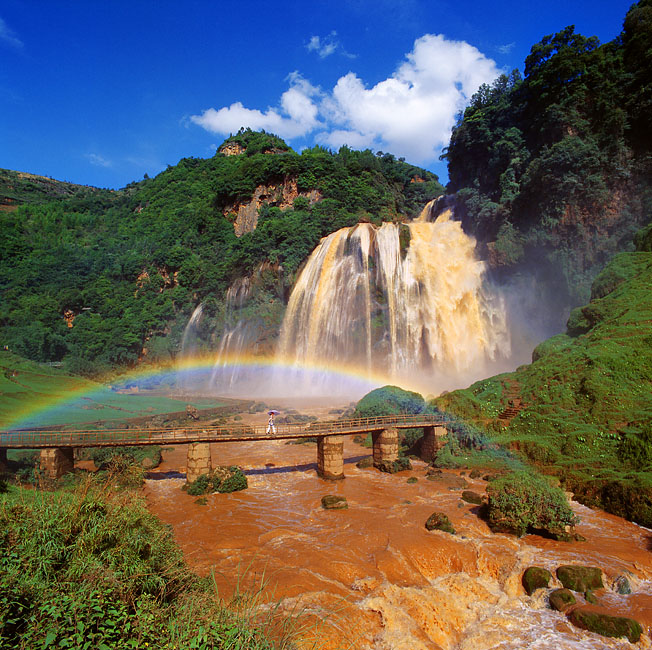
column 26, row 386
column 587, row 414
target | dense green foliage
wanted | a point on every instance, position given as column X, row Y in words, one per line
column 553, row 168
column 222, row 480
column 127, row 268
column 389, row 400
column 90, row 567
column 522, row 501
column 586, row 411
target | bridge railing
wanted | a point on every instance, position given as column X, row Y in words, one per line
column 206, row 433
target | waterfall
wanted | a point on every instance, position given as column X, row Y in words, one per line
column 399, row 300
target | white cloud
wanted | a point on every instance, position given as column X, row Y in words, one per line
column 8, row 36
column 410, row 113
column 326, row 46
column 98, row 161
column 506, row 49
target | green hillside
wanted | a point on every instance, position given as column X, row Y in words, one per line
column 552, row 170
column 583, row 409
column 101, row 279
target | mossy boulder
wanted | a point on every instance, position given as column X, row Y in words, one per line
column 472, row 497
column 590, row 597
column 412, row 479
column 580, row 578
column 366, row 462
column 535, row 578
column 393, row 466
column 221, row 479
column 606, row 625
column 561, row 599
column 334, row 502
column 439, row 521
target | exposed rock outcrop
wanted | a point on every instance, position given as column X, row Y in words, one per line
column 245, row 215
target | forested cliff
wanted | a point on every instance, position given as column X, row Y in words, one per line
column 552, row 170
column 99, row 279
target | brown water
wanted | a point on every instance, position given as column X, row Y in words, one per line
column 372, row 575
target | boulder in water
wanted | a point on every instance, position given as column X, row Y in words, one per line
column 393, row 466
column 580, row 578
column 363, row 463
column 606, row 625
column 561, row 599
column 440, row 521
column 472, row 497
column 535, row 578
column 334, row 502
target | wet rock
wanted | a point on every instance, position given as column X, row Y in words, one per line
column 412, row 479
column 439, row 521
column 202, row 501
column 334, row 502
column 472, row 497
column 393, row 466
column 590, row 597
column 363, row 463
column 622, row 585
column 476, row 473
column 606, row 625
column 535, row 578
column 456, row 482
column 434, row 472
column 580, row 578
column 561, row 599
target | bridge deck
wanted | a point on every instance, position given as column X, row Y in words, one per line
column 201, row 433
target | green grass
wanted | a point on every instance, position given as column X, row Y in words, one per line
column 587, row 396
column 45, row 396
column 88, row 566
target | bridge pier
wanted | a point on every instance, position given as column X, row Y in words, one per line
column 434, row 439
column 199, row 461
column 385, row 445
column 330, row 457
column 56, row 462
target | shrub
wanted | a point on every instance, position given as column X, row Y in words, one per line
column 522, row 501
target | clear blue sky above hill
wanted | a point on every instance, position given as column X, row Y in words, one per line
column 103, row 92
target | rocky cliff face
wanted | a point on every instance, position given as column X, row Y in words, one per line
column 245, row 215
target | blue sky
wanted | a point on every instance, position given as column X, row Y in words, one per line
column 102, row 92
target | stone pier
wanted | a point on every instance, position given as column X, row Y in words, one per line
column 4, row 467
column 56, row 462
column 434, row 439
column 385, row 445
column 330, row 457
column 199, row 461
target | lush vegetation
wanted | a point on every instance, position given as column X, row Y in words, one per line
column 586, row 403
column 522, row 501
column 222, row 479
column 88, row 567
column 552, row 169
column 126, row 269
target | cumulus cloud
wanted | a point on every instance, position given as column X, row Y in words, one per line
column 296, row 116
column 8, row 36
column 410, row 113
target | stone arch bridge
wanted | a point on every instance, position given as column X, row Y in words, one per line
column 57, row 447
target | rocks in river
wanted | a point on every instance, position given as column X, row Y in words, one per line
column 439, row 521
column 606, row 625
column 622, row 585
column 472, row 497
column 363, row 463
column 412, row 479
column 580, row 578
column 393, row 466
column 334, row 502
column 535, row 578
column 561, row 599
column 590, row 597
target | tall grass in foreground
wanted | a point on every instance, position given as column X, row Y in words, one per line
column 87, row 566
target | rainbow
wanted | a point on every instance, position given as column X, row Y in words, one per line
column 41, row 408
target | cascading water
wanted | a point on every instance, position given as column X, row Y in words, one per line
column 397, row 300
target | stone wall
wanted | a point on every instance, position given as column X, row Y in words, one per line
column 385, row 445
column 55, row 463
column 199, row 461
column 330, row 457
column 433, row 440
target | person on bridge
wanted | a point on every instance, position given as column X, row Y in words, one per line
column 270, row 423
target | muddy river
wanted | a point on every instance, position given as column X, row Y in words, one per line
column 372, row 576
